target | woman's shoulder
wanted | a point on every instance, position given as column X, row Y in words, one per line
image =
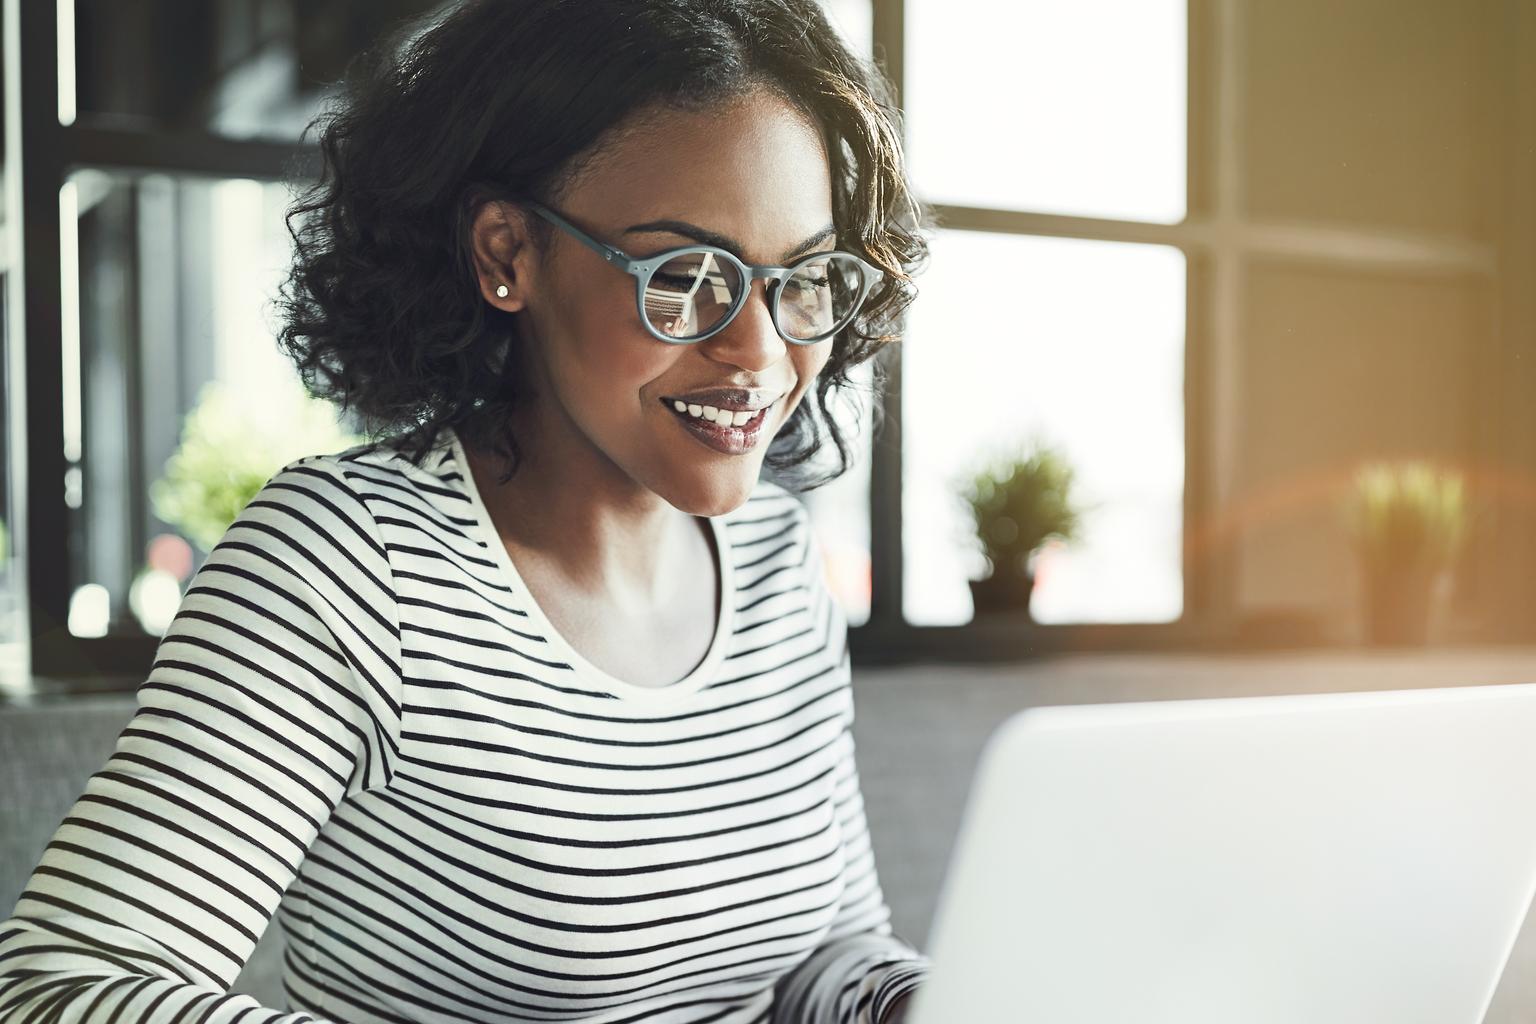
column 337, row 503
column 372, row 471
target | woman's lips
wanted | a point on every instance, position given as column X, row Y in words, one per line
column 726, row 440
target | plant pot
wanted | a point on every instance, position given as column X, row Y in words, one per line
column 1398, row 604
column 1003, row 592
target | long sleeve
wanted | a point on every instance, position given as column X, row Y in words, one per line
column 274, row 695
column 861, row 966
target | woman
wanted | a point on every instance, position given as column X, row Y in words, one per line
column 537, row 709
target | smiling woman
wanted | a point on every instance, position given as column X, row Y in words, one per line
column 535, row 707
column 750, row 166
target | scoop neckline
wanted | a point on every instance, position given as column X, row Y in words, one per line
column 694, row 681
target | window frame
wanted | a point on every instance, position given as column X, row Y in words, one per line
column 887, row 637
column 42, row 154
column 1220, row 242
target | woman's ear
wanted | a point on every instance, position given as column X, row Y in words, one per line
column 503, row 255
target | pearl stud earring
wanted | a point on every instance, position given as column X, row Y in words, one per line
column 501, row 291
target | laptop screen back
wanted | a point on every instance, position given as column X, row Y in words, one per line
column 1326, row 858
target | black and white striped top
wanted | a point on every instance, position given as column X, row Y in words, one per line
column 361, row 722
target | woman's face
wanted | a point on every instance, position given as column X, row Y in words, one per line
column 752, row 172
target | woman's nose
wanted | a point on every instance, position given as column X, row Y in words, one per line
column 751, row 340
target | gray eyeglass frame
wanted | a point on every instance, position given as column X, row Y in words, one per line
column 642, row 269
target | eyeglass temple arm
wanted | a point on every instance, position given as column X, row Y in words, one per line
column 607, row 252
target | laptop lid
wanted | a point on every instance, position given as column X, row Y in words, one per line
column 1327, row 858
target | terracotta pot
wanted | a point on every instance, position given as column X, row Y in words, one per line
column 1398, row 603
column 1003, row 592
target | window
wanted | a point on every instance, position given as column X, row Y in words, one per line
column 166, row 284
column 840, row 510
column 1067, row 108
column 13, row 627
column 1080, row 343
column 13, row 651
column 162, row 197
column 1070, row 121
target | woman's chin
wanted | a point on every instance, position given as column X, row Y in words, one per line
column 714, row 491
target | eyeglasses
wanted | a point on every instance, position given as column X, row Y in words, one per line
column 691, row 293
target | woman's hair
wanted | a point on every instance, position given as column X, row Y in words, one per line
column 504, row 100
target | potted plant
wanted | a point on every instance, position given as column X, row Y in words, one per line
column 1018, row 501
column 232, row 443
column 1408, row 521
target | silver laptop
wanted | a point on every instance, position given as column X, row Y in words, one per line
column 1329, row 859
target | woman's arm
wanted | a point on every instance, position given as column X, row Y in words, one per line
column 274, row 695
column 862, row 968
column 897, row 1013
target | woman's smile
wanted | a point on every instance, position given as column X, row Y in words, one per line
column 727, row 432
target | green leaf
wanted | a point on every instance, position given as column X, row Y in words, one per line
column 1019, row 499
column 231, row 445
column 1407, row 513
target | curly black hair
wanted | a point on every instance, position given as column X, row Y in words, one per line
column 508, row 100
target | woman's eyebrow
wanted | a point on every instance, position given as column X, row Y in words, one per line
column 730, row 245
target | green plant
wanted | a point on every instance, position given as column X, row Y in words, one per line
column 1407, row 516
column 1018, row 501
column 231, row 445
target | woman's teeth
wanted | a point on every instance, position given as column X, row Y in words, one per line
column 724, row 417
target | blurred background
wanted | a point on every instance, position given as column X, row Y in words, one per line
column 1219, row 381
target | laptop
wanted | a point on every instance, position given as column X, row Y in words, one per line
column 1347, row 858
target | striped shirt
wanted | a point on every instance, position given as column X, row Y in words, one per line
column 361, row 722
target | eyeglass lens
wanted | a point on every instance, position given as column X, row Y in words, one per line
column 691, row 293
